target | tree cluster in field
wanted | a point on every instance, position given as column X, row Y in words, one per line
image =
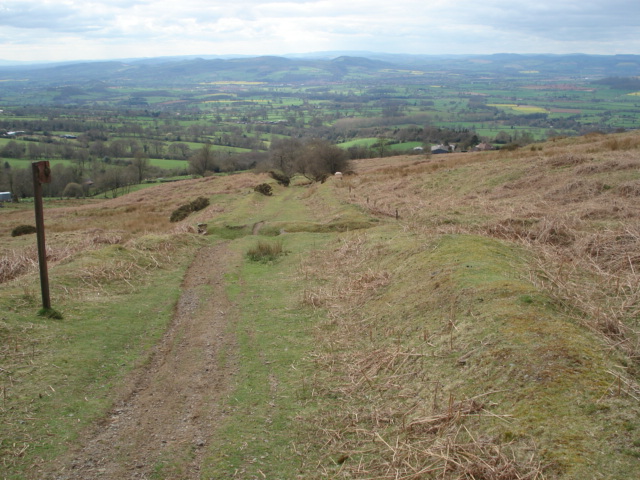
column 312, row 158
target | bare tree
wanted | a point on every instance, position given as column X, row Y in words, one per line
column 157, row 148
column 321, row 158
column 203, row 161
column 179, row 150
column 117, row 148
column 140, row 163
column 13, row 150
column 116, row 180
column 284, row 155
column 315, row 158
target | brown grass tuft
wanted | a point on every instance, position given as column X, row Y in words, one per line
column 615, row 143
column 608, row 166
column 629, row 189
column 567, row 160
column 16, row 263
column 545, row 231
column 576, row 191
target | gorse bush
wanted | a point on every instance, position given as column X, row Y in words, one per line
column 180, row 213
column 23, row 230
column 184, row 211
column 199, row 203
column 264, row 189
column 265, row 251
column 280, row 177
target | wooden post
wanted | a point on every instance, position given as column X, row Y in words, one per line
column 41, row 174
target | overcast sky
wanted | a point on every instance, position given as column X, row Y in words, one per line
column 101, row 29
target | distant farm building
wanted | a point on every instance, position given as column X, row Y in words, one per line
column 440, row 149
column 482, row 147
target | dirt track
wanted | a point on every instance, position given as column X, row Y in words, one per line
column 170, row 407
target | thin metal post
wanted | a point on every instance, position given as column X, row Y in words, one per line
column 38, row 178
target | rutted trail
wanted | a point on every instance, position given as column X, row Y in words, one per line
column 172, row 405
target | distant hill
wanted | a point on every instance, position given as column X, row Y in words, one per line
column 316, row 67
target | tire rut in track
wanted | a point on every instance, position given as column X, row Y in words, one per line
column 173, row 404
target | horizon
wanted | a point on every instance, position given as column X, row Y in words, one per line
column 45, row 31
column 329, row 54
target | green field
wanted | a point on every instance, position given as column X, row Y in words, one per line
column 241, row 118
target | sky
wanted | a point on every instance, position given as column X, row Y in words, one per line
column 60, row 30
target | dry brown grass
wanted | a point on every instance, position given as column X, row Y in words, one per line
column 572, row 203
column 15, row 263
column 622, row 163
column 629, row 189
column 60, row 247
column 567, row 159
column 76, row 227
column 347, row 282
column 396, row 420
column 626, row 142
column 598, row 277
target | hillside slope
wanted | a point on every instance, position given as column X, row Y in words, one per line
column 455, row 316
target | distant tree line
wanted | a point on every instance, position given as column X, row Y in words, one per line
column 79, row 180
column 621, row 83
column 114, row 177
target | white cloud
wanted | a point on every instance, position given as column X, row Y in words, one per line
column 71, row 29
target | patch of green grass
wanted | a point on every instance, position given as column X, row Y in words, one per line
column 405, row 146
column 258, row 437
column 360, row 142
column 228, row 232
column 278, row 228
column 290, row 210
column 169, row 164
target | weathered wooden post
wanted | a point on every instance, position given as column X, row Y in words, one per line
column 41, row 174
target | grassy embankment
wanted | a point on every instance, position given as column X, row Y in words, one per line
column 488, row 332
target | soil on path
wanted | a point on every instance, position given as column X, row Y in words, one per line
column 170, row 407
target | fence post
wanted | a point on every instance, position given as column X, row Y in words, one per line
column 41, row 174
